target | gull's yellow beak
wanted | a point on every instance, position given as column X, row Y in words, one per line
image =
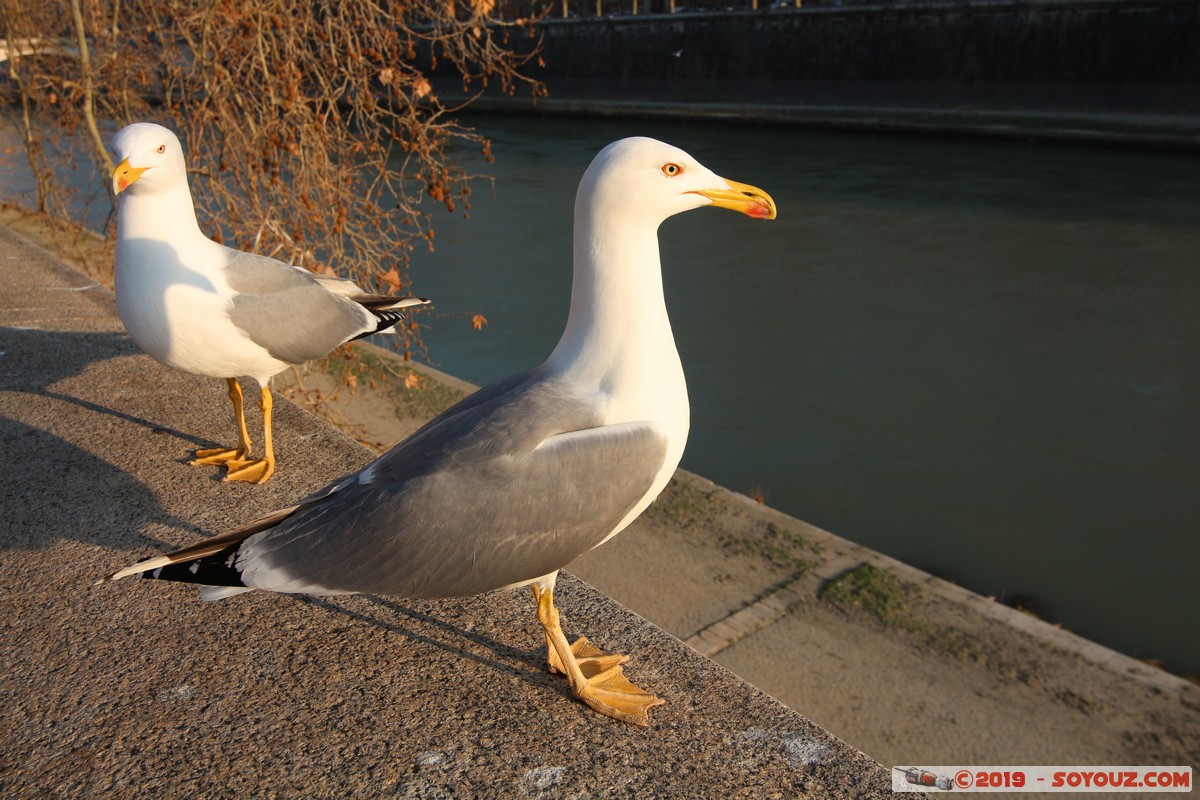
column 123, row 175
column 749, row 200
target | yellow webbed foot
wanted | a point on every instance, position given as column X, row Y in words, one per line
column 259, row 469
column 614, row 695
column 217, row 456
column 596, row 678
column 255, row 470
column 591, row 659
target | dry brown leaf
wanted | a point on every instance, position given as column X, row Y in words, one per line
column 392, row 279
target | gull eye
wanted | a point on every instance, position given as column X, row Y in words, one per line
column 671, row 169
column 162, row 148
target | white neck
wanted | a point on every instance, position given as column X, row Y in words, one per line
column 618, row 336
column 157, row 213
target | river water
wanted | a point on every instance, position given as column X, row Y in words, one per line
column 982, row 359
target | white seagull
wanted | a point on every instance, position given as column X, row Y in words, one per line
column 512, row 483
column 205, row 308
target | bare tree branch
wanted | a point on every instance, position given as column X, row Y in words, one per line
column 312, row 129
column 85, row 67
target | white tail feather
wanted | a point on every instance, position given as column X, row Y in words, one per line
column 138, row 568
column 211, row 593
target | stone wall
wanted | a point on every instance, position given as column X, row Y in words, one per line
column 1136, row 55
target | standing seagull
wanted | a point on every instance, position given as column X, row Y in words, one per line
column 512, row 483
column 211, row 310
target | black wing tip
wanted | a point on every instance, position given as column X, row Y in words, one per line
column 390, row 316
column 386, row 318
column 212, row 570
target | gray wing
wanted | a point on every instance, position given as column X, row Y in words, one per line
column 287, row 310
column 495, row 492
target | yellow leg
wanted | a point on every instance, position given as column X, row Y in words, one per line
column 221, row 455
column 596, row 678
column 259, row 469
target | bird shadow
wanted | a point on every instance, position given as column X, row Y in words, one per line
column 58, row 490
column 26, row 369
column 64, row 480
column 507, row 656
column 153, row 427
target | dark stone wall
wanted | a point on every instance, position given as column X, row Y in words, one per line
column 1140, row 55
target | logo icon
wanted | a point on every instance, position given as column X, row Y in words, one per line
column 923, row 777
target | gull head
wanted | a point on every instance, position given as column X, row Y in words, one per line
column 150, row 156
column 651, row 180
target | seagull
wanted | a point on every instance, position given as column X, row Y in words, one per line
column 516, row 480
column 208, row 309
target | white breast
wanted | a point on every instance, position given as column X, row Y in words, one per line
column 178, row 312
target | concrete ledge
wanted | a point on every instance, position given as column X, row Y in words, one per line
column 1153, row 131
column 841, row 554
column 138, row 689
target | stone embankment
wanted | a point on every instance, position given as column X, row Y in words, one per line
column 1118, row 72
